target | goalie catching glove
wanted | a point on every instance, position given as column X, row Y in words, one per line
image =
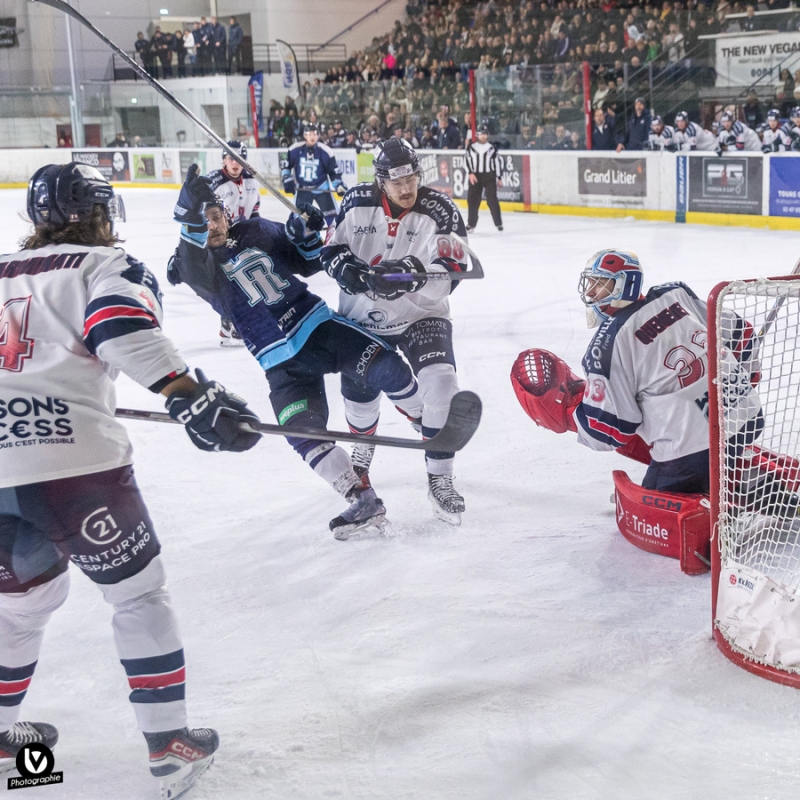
column 547, row 389
column 214, row 418
column 385, row 288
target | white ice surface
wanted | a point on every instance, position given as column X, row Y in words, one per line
column 531, row 653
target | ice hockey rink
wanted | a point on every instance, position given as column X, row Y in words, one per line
column 531, row 654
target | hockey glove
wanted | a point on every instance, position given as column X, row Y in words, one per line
column 387, row 289
column 349, row 272
column 339, row 188
column 195, row 194
column 173, row 269
column 767, row 148
column 288, row 182
column 298, row 228
column 215, row 419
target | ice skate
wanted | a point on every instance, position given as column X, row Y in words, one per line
column 361, row 456
column 22, row 733
column 228, row 335
column 448, row 504
column 178, row 758
column 366, row 513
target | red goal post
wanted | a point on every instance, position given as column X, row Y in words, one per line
column 754, row 420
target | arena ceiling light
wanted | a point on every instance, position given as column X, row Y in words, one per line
column 163, row 11
column 134, row 100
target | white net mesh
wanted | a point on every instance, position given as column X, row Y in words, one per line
column 758, row 526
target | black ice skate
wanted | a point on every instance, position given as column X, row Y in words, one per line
column 448, row 504
column 366, row 512
column 22, row 733
column 228, row 335
column 361, row 456
column 178, row 758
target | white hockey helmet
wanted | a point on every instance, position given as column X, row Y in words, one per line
column 611, row 279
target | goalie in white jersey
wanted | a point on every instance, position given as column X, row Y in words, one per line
column 395, row 228
column 74, row 310
column 645, row 393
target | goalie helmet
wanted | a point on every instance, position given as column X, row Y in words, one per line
column 60, row 194
column 238, row 147
column 394, row 158
column 611, row 279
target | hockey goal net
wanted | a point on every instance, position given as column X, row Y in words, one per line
column 754, row 416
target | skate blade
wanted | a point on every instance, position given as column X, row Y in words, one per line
column 178, row 783
column 371, row 527
column 450, row 517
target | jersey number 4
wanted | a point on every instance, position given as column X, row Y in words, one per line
column 15, row 346
column 254, row 272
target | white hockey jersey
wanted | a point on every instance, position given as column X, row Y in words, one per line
column 647, row 374
column 778, row 140
column 240, row 197
column 662, row 141
column 365, row 227
column 739, row 137
column 693, row 137
column 71, row 317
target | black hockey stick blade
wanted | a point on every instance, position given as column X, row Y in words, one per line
column 462, row 422
column 474, row 274
column 61, row 5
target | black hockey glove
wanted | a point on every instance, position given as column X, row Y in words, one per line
column 349, row 272
column 671, row 148
column 212, row 417
column 298, row 229
column 392, row 289
column 173, row 269
column 195, row 193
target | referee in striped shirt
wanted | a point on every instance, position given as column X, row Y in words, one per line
column 485, row 170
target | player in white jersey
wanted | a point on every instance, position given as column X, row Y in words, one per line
column 645, row 387
column 238, row 192
column 735, row 135
column 690, row 136
column 662, row 137
column 390, row 228
column 775, row 138
column 74, row 311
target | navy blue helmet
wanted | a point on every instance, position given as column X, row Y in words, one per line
column 237, row 147
column 395, row 158
column 60, row 194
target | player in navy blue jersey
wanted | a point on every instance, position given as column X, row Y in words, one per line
column 310, row 170
column 249, row 273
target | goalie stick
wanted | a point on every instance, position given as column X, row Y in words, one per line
column 459, row 427
column 170, row 98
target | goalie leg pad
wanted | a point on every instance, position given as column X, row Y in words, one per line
column 547, row 389
column 670, row 524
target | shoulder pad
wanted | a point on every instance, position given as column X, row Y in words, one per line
column 325, row 148
column 441, row 209
column 296, row 145
column 216, row 178
column 657, row 291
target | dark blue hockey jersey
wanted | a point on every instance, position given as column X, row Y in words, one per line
column 253, row 281
column 312, row 167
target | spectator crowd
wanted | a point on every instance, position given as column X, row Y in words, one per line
column 207, row 48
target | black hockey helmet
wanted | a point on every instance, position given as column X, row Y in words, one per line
column 237, row 147
column 60, row 194
column 394, row 158
column 773, row 113
column 681, row 116
column 310, row 127
column 482, row 128
column 656, row 121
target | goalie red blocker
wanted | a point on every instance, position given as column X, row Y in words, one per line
column 673, row 525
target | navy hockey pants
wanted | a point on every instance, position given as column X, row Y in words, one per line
column 367, row 364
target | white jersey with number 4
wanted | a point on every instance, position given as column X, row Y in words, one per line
column 647, row 374
column 365, row 228
column 70, row 318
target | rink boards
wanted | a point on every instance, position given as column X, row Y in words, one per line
column 743, row 189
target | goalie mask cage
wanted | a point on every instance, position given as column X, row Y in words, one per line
column 754, row 421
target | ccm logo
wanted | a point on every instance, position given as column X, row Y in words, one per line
column 660, row 502
column 434, row 354
column 187, row 753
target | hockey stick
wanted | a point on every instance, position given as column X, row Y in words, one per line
column 459, row 427
column 170, row 98
column 476, row 273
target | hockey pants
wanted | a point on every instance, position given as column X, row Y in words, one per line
column 428, row 346
column 101, row 525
